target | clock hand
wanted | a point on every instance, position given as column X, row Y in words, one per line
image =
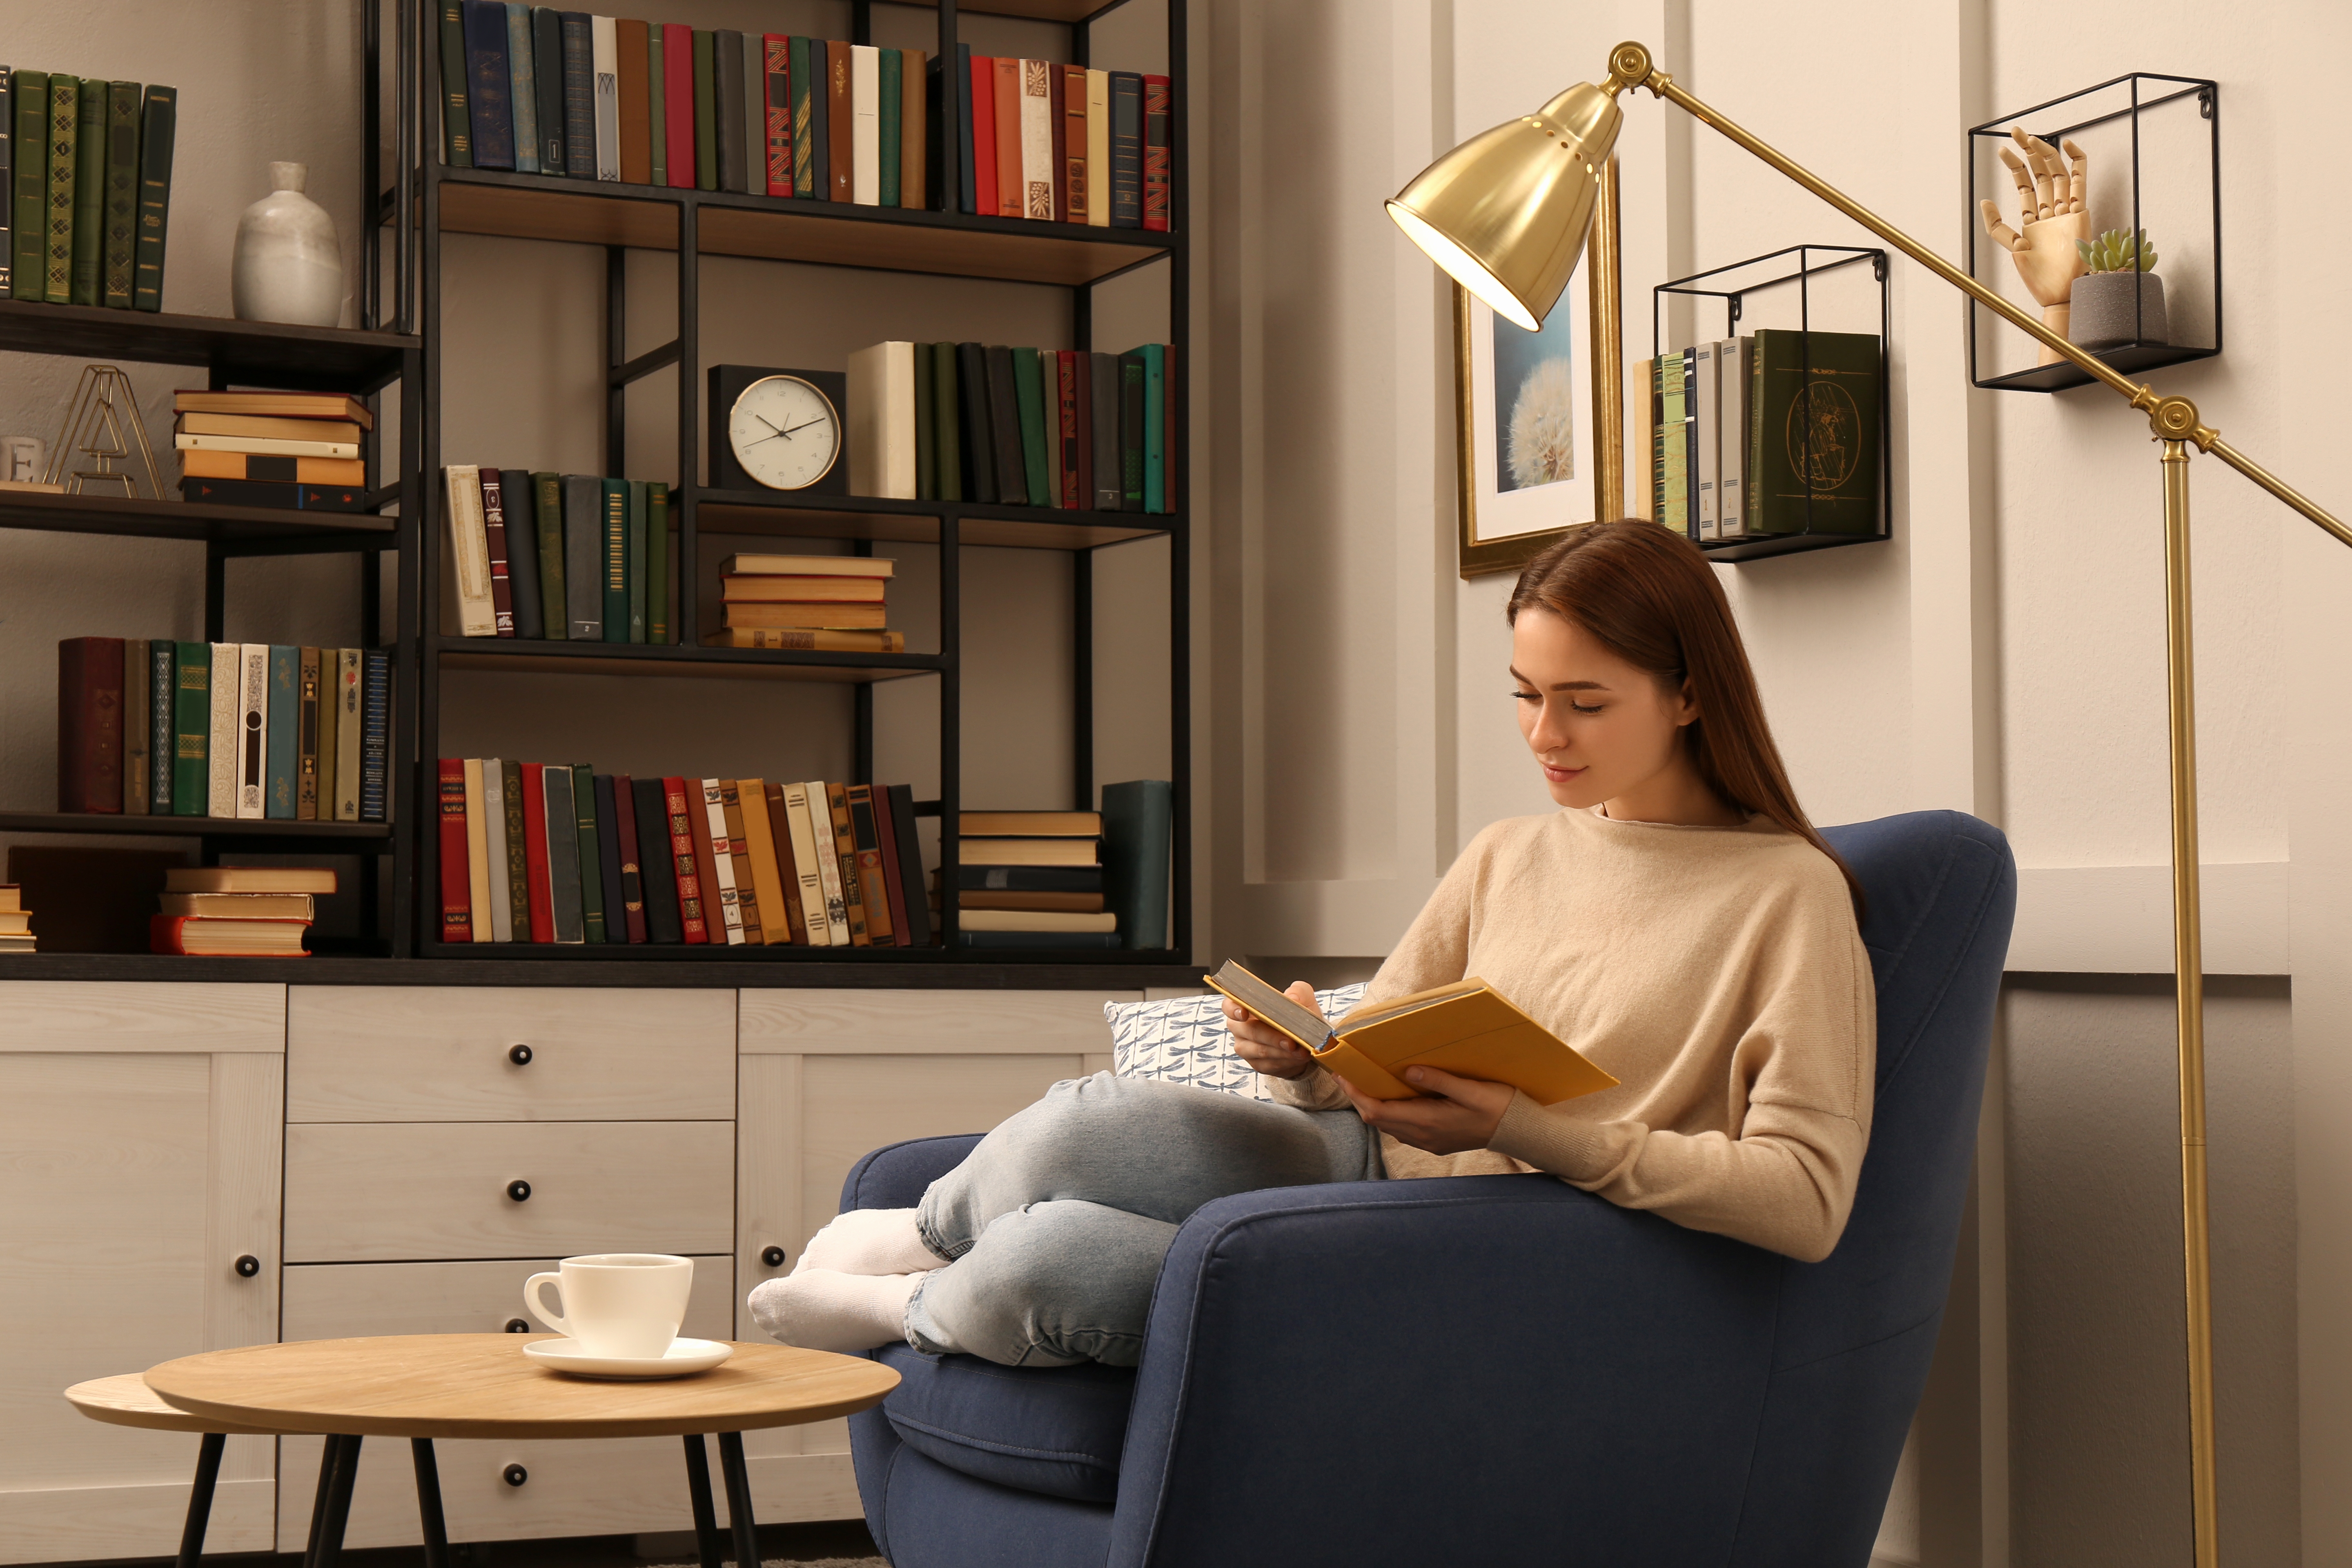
column 767, row 422
column 787, row 435
column 804, row 425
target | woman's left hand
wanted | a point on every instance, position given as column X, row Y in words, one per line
column 1463, row 1114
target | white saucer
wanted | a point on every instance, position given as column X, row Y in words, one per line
column 683, row 1356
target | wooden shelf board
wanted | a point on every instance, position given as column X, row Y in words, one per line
column 2128, row 359
column 188, row 827
column 915, row 522
column 514, row 656
column 182, row 519
column 254, row 353
column 890, row 240
column 498, row 966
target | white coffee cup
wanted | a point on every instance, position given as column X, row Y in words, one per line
column 620, row 1304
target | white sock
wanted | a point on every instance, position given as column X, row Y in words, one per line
column 870, row 1241
column 823, row 1311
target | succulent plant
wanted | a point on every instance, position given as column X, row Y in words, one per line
column 2117, row 251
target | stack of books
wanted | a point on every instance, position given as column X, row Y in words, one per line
column 238, row 730
column 1016, row 426
column 834, row 602
column 237, row 912
column 545, row 853
column 16, row 920
column 541, row 91
column 1031, row 878
column 559, row 557
column 86, row 167
column 286, row 449
column 1063, row 143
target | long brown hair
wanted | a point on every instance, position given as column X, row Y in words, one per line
column 1650, row 597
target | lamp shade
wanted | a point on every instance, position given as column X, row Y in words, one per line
column 1507, row 211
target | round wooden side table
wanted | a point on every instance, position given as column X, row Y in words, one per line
column 423, row 1386
column 125, row 1400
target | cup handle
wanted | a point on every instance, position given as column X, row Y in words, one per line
column 536, row 1304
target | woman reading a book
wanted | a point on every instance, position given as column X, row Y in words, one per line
column 1679, row 921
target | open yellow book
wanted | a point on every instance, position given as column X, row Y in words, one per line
column 1467, row 1028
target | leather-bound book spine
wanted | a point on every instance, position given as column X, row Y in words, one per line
column 978, row 443
column 636, row 130
column 547, row 86
column 89, row 726
column 562, row 853
column 636, row 567
column 714, row 863
column 776, row 110
column 541, row 893
column 1072, row 145
column 1004, row 83
column 914, row 130
column 523, row 607
column 840, row 124
column 84, row 190
column 886, row 834
column 1159, row 152
column 1082, row 367
column 1155, row 425
column 608, row 855
column 118, row 248
column 306, row 740
column 678, row 104
column 818, row 871
column 631, row 868
column 890, row 114
column 604, row 79
column 28, row 182
column 1130, row 431
column 136, row 771
column 706, row 110
column 836, row 809
column 946, row 423
column 583, row 554
column 489, row 109
column 579, row 95
column 456, row 128
column 1034, row 82
column 657, row 108
column 787, row 880
column 738, row 850
column 162, row 697
column 375, row 734
column 1029, row 397
column 587, row 854
column 1004, row 429
column 522, row 89
column 284, row 743
column 1069, row 493
column 613, row 569
column 692, row 919
column 494, row 531
column 658, row 621
column 1126, row 150
column 655, row 863
column 728, row 107
column 158, row 123
column 918, row 927
column 8, row 177
column 874, row 891
column 516, row 869
column 980, row 114
column 1110, row 496
column 457, row 883
column 1057, row 130
column 191, row 721
column 803, row 56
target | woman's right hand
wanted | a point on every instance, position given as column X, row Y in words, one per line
column 1265, row 1048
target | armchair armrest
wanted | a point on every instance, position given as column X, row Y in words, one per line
column 1489, row 1367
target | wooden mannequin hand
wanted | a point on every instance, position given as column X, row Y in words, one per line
column 1265, row 1048
column 1462, row 1114
column 2053, row 215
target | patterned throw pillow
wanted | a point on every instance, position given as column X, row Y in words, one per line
column 1183, row 1039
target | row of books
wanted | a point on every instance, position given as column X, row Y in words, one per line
column 839, row 602
column 87, row 164
column 15, row 921
column 226, row 730
column 541, row 91
column 294, row 450
column 1066, row 878
column 1773, row 434
column 546, row 852
column 559, row 557
column 1063, row 143
column 237, row 912
column 1051, row 428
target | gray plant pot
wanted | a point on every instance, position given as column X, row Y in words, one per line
column 2104, row 316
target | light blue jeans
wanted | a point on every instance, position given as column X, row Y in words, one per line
column 1056, row 1223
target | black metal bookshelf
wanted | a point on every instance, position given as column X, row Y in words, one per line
column 429, row 200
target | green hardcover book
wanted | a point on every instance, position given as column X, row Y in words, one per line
column 547, row 515
column 891, row 86
column 636, row 571
column 278, row 740
column 64, row 121
column 657, row 116
column 706, row 110
column 1138, row 823
column 192, row 725
column 592, row 859
column 163, row 724
column 1131, row 430
column 947, row 415
column 456, row 123
column 615, row 575
column 30, row 197
column 89, row 191
column 1814, row 433
column 1155, row 426
column 159, row 126
column 803, row 150
column 517, row 870
column 1029, row 392
column 117, row 256
column 657, row 620
column 927, row 451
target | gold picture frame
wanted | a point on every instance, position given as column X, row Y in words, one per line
column 1500, row 549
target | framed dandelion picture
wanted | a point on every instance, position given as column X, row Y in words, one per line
column 1524, row 430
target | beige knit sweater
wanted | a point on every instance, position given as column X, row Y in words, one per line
column 1716, row 971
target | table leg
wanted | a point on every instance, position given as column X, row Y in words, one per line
column 200, row 1499
column 328, row 1447
column 339, row 1501
column 739, row 1500
column 428, row 1503
column 698, row 1488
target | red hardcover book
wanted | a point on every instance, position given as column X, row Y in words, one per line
column 1158, row 152
column 1006, row 86
column 690, row 917
column 633, row 879
column 1071, row 492
column 776, row 57
column 841, row 120
column 534, row 851
column 979, row 102
column 678, row 104
column 706, row 869
column 887, row 837
column 1070, row 143
column 494, row 524
column 90, row 724
column 1056, row 107
column 1086, row 380
column 218, row 937
column 456, row 887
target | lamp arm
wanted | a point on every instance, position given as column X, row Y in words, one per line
column 2169, row 418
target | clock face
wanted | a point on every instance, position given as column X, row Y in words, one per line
column 785, row 433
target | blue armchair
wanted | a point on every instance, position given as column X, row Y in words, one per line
column 1498, row 1370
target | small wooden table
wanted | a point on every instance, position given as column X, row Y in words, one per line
column 423, row 1386
column 127, row 1401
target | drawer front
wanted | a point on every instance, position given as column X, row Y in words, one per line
column 806, row 1021
column 428, row 1053
column 345, row 1300
column 359, row 1193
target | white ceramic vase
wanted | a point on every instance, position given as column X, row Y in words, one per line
column 288, row 266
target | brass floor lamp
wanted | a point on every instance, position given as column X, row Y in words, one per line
column 1507, row 214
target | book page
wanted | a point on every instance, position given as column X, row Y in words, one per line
column 1412, row 1003
column 1301, row 1023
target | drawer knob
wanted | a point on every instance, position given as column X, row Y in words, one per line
column 772, row 1257
column 518, row 1191
column 515, row 1475
column 518, row 1055
column 518, row 1325
column 248, row 1267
